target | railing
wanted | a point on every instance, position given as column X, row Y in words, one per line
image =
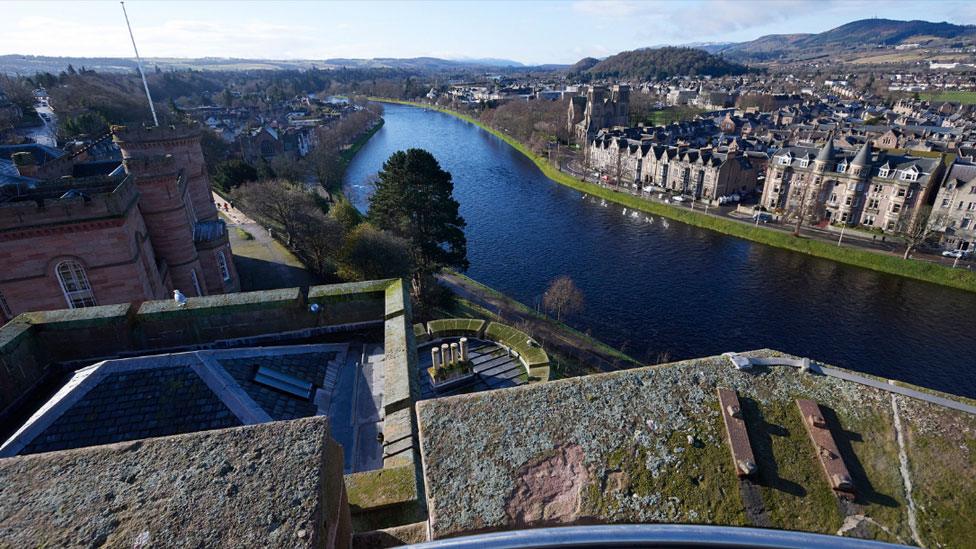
column 654, row 535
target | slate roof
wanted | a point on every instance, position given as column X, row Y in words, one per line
column 147, row 397
column 309, row 367
column 132, row 405
column 205, row 231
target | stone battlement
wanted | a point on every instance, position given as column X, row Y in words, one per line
column 136, row 134
column 151, row 165
column 68, row 201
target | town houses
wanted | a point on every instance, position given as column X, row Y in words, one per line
column 841, row 159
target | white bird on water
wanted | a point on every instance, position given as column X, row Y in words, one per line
column 179, row 298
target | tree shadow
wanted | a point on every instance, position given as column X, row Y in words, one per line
column 761, row 435
column 260, row 274
column 865, row 490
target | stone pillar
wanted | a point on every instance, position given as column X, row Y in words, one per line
column 446, row 354
column 463, row 345
column 455, row 353
column 435, row 357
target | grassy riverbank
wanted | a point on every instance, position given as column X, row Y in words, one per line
column 890, row 264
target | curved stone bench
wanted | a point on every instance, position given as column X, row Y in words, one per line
column 527, row 350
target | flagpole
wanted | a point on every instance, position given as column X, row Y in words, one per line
column 139, row 64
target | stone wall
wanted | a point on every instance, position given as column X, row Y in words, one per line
column 276, row 484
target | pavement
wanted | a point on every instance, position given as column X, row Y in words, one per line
column 262, row 262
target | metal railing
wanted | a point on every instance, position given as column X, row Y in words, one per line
column 653, row 535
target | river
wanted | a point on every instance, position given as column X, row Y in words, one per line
column 656, row 287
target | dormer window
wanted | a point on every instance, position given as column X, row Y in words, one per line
column 785, row 160
column 842, row 167
column 883, row 172
column 910, row 174
column 804, row 162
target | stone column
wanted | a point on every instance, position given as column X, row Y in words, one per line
column 446, row 354
column 455, row 353
column 435, row 357
column 463, row 345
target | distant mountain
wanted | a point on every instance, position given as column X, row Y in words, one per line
column 656, row 63
column 862, row 35
column 30, row 64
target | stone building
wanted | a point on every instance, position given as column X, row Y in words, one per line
column 704, row 173
column 605, row 108
column 875, row 189
column 955, row 207
column 132, row 235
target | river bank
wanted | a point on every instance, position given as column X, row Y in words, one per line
column 889, row 264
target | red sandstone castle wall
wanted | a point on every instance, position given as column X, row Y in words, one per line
column 111, row 251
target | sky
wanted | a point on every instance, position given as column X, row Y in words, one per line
column 531, row 32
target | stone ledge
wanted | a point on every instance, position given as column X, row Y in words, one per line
column 275, row 484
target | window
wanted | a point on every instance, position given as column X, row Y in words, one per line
column 972, row 206
column 222, row 265
column 849, row 200
column 873, row 203
column 196, row 282
column 804, row 162
column 869, row 220
column 883, row 172
column 959, row 207
column 4, row 308
column 784, row 160
column 964, row 223
column 833, row 198
column 878, row 188
column 909, row 175
column 945, row 203
column 895, row 208
column 901, row 192
column 841, row 168
column 74, row 284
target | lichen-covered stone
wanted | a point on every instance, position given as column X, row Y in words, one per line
column 615, row 448
column 271, row 485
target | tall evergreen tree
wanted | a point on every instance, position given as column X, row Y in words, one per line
column 414, row 200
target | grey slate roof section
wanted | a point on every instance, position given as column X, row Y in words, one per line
column 309, row 367
column 138, row 404
column 142, row 397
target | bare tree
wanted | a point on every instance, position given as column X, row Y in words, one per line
column 563, row 297
column 280, row 203
column 918, row 228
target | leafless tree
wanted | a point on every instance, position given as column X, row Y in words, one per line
column 918, row 228
column 563, row 297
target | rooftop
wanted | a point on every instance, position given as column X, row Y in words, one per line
column 648, row 445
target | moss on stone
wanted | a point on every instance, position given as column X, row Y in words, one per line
column 381, row 488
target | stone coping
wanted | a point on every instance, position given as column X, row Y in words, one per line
column 270, row 485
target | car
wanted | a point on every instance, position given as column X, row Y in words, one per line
column 679, row 198
column 954, row 253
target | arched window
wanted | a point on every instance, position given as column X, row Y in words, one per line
column 74, row 284
column 196, row 282
column 222, row 265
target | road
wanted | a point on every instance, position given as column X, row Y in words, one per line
column 886, row 244
column 46, row 133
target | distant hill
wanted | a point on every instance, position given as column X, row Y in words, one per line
column 31, row 64
column 650, row 63
column 861, row 35
column 583, row 65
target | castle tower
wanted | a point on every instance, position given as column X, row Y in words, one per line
column 184, row 218
column 183, row 143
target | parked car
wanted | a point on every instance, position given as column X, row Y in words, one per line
column 679, row 198
column 955, row 253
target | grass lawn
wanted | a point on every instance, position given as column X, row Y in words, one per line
column 919, row 270
column 953, row 96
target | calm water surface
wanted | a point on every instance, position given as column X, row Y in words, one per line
column 657, row 286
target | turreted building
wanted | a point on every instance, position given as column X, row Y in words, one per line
column 135, row 234
column 868, row 187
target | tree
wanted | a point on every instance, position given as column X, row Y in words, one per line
column 370, row 254
column 562, row 297
column 917, row 229
column 280, row 203
column 414, row 200
column 318, row 237
column 230, row 174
